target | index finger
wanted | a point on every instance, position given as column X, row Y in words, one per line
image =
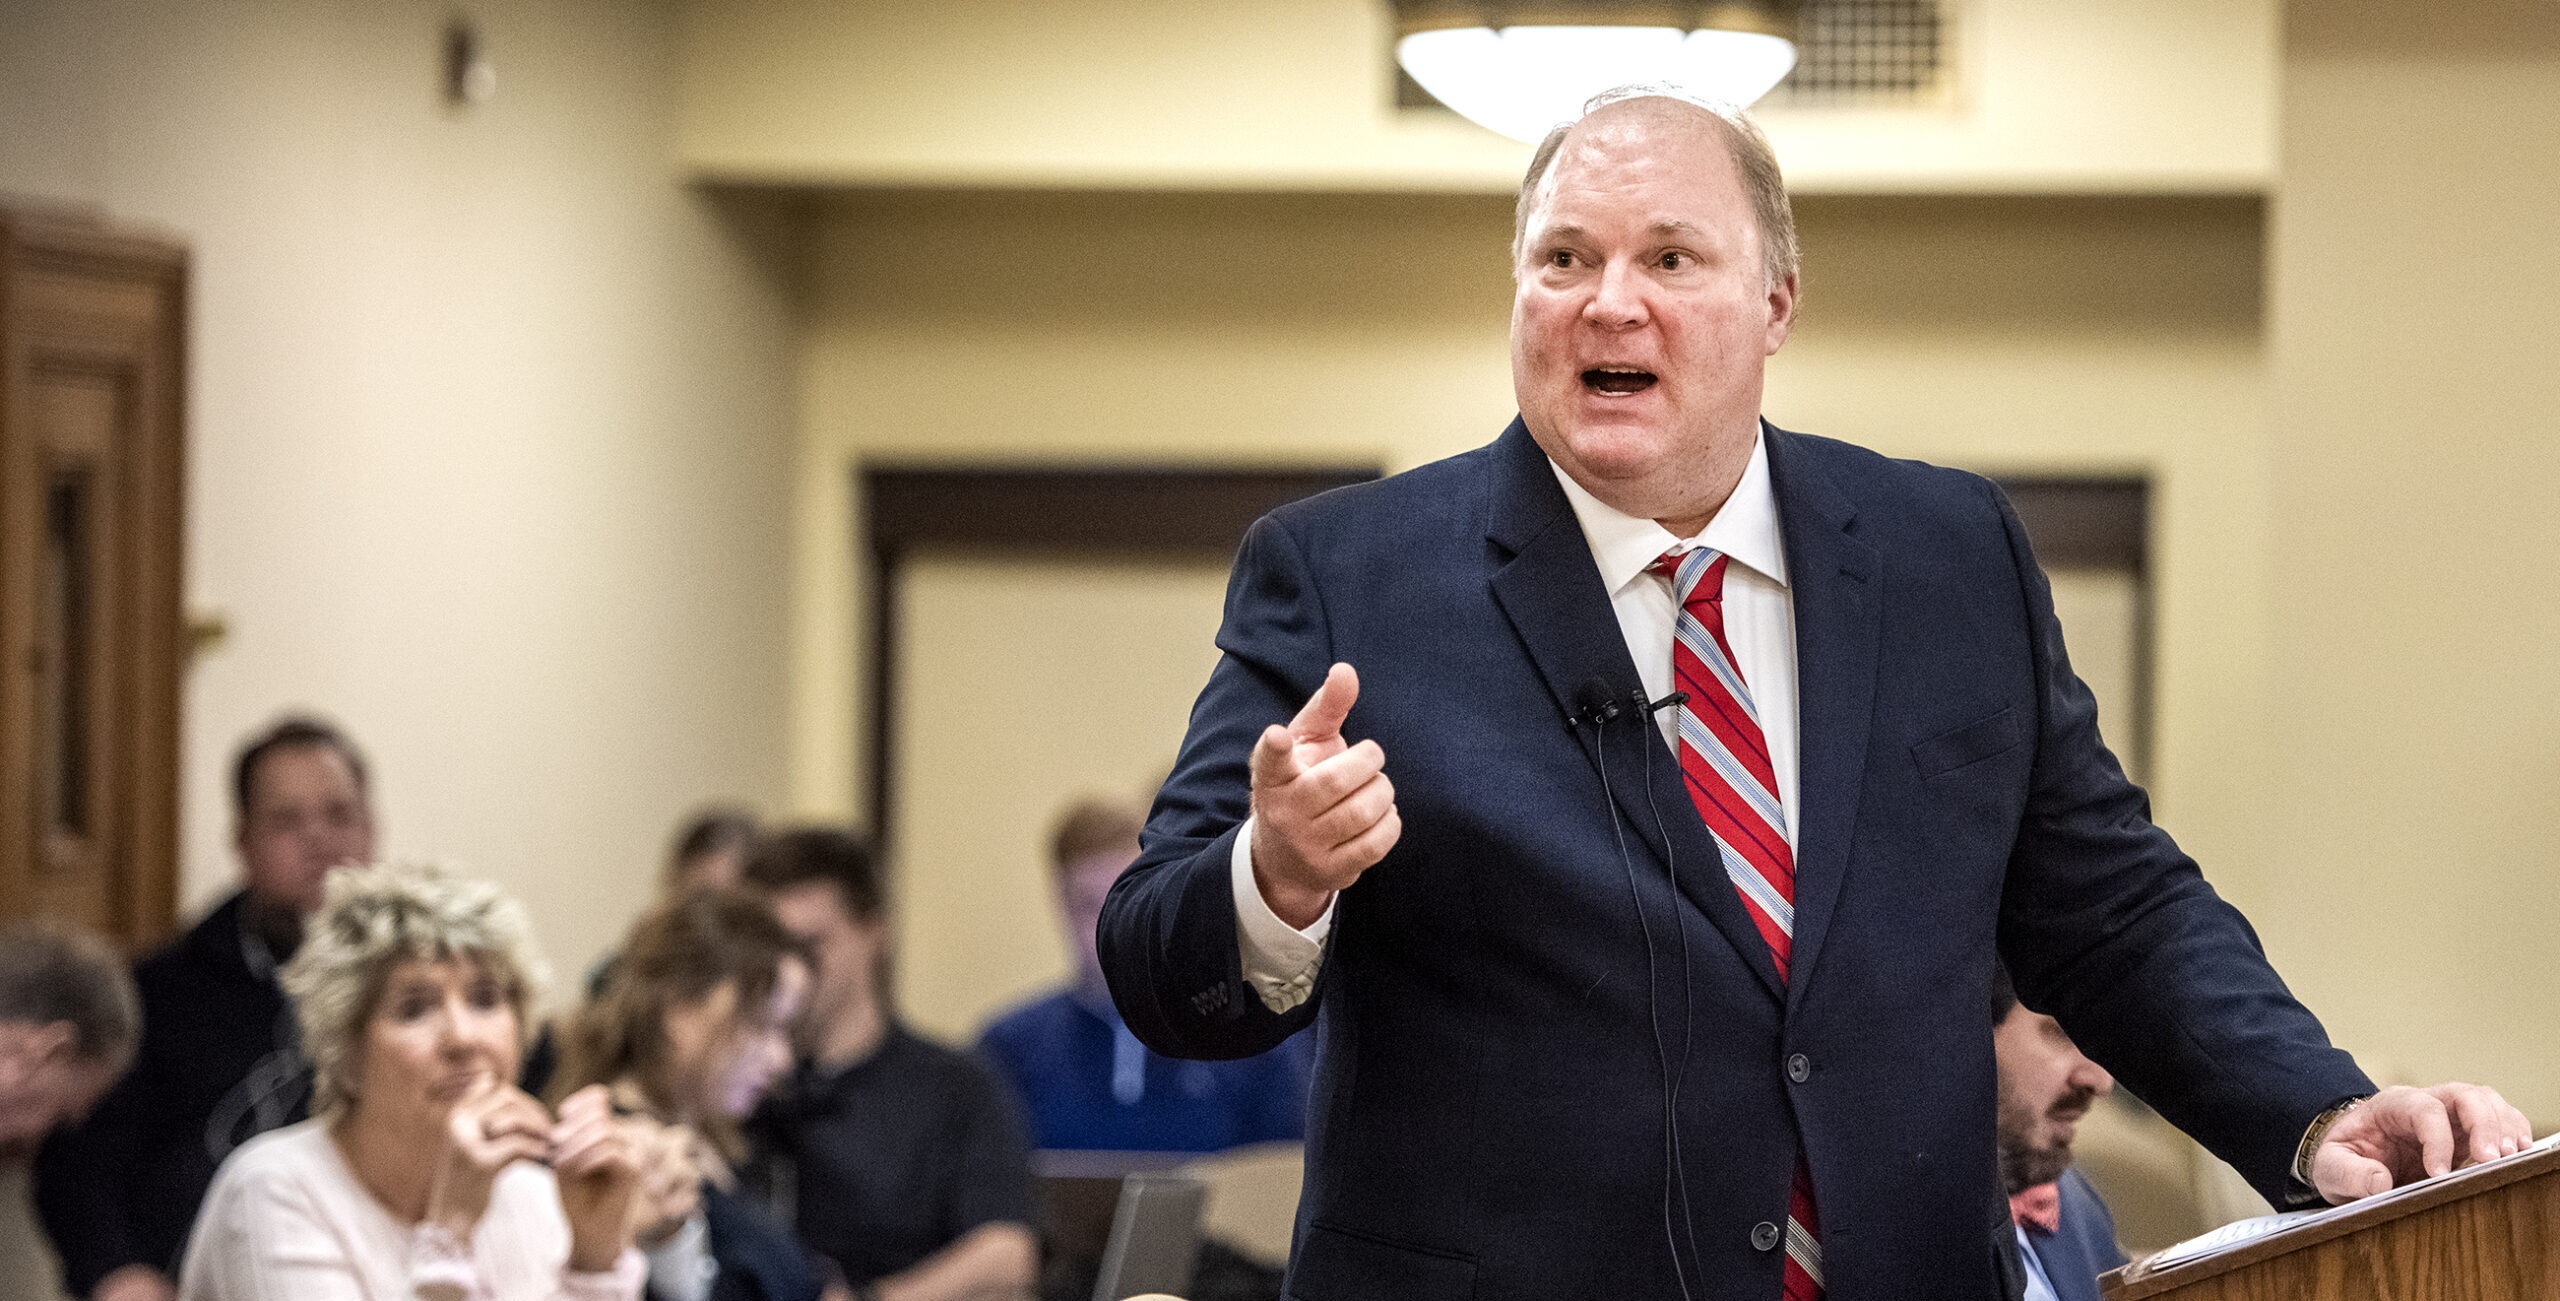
column 2488, row 1123
column 592, row 1100
column 1324, row 711
column 2431, row 1123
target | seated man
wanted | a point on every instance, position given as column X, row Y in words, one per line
column 1085, row 1080
column 220, row 1061
column 68, row 1023
column 897, row 1158
column 2065, row 1236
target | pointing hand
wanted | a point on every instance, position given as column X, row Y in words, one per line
column 1323, row 811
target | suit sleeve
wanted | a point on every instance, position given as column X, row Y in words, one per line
column 2108, row 927
column 1168, row 934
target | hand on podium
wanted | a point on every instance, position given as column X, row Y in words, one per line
column 2402, row 1135
column 1323, row 810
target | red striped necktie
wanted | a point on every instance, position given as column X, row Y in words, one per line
column 1724, row 761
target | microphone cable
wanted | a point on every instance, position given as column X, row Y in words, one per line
column 1673, row 1177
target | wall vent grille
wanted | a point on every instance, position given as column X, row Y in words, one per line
column 1860, row 53
column 1849, row 54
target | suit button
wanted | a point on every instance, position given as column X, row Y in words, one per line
column 1764, row 1236
column 1799, row 1067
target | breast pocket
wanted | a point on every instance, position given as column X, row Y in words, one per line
column 1958, row 747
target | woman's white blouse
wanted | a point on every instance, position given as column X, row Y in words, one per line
column 286, row 1220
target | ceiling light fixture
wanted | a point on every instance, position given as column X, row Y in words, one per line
column 1521, row 68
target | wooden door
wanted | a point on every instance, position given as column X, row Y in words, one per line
column 91, row 465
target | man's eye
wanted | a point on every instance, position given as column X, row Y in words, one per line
column 1560, row 258
column 1675, row 260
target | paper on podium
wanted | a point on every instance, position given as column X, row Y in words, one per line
column 2241, row 1232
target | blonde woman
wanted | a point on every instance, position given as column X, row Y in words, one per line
column 424, row 1172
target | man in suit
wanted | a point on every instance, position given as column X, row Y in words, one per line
column 2066, row 1238
column 1620, row 996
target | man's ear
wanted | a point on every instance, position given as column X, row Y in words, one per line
column 25, row 1046
column 58, row 1039
column 1782, row 312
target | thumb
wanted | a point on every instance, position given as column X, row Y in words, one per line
column 1274, row 761
column 1324, row 711
column 2343, row 1175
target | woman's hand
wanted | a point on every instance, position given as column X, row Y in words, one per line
column 597, row 1158
column 493, row 1127
column 670, row 1180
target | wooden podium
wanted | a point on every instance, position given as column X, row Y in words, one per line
column 2488, row 1233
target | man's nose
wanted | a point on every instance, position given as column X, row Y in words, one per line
column 1617, row 302
column 2091, row 1076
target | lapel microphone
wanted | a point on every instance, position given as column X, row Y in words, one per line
column 1595, row 703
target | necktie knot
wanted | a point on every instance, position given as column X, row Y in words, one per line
column 1697, row 575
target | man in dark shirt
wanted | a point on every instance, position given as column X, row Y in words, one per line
column 220, row 1061
column 898, row 1158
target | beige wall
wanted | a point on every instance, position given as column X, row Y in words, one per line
column 2108, row 95
column 2010, row 335
column 1026, row 683
column 2415, row 462
column 489, row 418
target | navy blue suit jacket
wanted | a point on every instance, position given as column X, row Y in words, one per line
column 1495, row 1022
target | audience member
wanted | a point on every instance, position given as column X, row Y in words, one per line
column 1084, row 1080
column 219, row 1062
column 2065, row 1236
column 711, row 850
column 69, row 1020
column 691, row 1031
column 898, row 1158
column 425, row 1172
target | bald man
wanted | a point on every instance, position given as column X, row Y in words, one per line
column 1636, row 808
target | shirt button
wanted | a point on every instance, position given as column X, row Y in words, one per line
column 1799, row 1067
column 1764, row 1236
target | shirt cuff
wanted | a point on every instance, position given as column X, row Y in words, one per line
column 623, row 1282
column 1280, row 961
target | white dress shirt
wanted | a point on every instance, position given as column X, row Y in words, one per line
column 2039, row 1283
column 1280, row 961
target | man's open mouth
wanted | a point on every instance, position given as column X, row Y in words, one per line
column 1617, row 379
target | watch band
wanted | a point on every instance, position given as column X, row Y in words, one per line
column 2315, row 1135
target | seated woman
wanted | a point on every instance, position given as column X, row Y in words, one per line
column 424, row 1172
column 691, row 1027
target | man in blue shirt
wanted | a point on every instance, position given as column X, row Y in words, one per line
column 2065, row 1236
column 1085, row 1081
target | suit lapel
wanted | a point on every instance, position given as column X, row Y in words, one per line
column 1837, row 585
column 1549, row 588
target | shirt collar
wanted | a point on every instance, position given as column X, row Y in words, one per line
column 1745, row 527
